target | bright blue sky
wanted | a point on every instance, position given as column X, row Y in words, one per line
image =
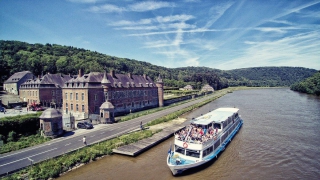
column 219, row 34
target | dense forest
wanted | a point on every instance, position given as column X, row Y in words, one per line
column 310, row 85
column 270, row 76
column 52, row 58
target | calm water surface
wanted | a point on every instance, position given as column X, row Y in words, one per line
column 279, row 140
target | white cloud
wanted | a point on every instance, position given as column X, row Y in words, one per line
column 198, row 30
column 299, row 50
column 83, row 1
column 139, row 28
column 107, row 8
column 271, row 29
column 192, row 62
column 137, row 7
column 166, row 19
column 282, row 22
column 149, row 6
column 216, row 12
column 158, row 19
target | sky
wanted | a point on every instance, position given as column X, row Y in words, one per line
column 220, row 34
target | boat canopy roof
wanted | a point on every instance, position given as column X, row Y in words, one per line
column 219, row 115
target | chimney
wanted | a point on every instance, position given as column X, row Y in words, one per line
column 145, row 76
column 80, row 73
column 112, row 73
column 130, row 75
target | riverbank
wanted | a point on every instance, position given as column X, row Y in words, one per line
column 54, row 167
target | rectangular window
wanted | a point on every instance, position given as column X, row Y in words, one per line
column 82, row 96
column 193, row 153
column 82, row 108
column 71, row 107
column 77, row 107
column 95, row 97
column 66, row 96
column 179, row 149
column 52, row 92
column 71, row 96
column 77, row 96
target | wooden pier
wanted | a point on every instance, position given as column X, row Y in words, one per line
column 144, row 144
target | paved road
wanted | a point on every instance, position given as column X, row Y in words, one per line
column 19, row 159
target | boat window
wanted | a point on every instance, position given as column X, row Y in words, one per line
column 179, row 149
column 216, row 144
column 193, row 153
column 216, row 125
column 229, row 120
column 225, row 124
column 236, row 115
column 207, row 151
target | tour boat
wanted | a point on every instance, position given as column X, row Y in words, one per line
column 202, row 140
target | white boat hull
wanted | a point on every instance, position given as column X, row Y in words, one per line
column 178, row 169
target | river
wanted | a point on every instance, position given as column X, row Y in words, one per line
column 280, row 139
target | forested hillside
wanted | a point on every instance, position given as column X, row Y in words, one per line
column 310, row 85
column 270, row 76
column 40, row 59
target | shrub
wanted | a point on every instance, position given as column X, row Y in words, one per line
column 12, row 136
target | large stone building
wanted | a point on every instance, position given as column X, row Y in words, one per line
column 46, row 90
column 12, row 84
column 106, row 95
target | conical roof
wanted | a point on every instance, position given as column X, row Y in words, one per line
column 107, row 105
column 50, row 113
column 105, row 79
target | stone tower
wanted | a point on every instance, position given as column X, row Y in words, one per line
column 107, row 108
column 159, row 84
column 51, row 123
column 106, row 84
